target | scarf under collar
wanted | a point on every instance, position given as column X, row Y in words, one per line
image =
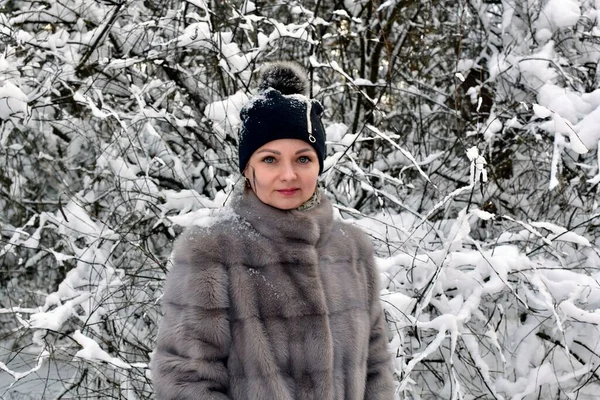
column 310, row 225
column 311, row 203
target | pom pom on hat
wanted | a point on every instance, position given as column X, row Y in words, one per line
column 286, row 77
column 281, row 110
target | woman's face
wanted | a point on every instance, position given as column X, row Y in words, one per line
column 283, row 173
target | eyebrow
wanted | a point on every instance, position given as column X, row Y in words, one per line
column 278, row 153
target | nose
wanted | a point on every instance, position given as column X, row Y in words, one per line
column 288, row 173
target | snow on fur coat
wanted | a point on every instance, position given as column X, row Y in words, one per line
column 273, row 305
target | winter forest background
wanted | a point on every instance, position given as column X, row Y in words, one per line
column 462, row 135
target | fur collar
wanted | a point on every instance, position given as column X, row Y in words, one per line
column 311, row 226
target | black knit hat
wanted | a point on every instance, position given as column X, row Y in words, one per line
column 281, row 110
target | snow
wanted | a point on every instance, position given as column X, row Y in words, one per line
column 20, row 375
column 403, row 151
column 234, row 60
column 199, row 3
column 541, row 111
column 341, row 13
column 478, row 163
column 386, row 4
column 493, row 126
column 472, row 153
column 536, row 68
column 7, row 69
column 92, row 351
column 484, row 215
column 248, row 7
column 587, row 130
column 558, row 14
column 226, row 112
column 560, row 233
column 297, row 31
column 13, row 101
column 464, row 65
column 480, row 304
column 572, row 114
column 56, row 318
column 123, row 63
column 96, row 112
column 565, row 102
column 399, row 305
column 335, row 132
column 362, row 82
column 195, row 36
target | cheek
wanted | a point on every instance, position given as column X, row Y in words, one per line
column 263, row 177
column 311, row 178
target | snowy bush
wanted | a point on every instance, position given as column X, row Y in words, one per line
column 461, row 135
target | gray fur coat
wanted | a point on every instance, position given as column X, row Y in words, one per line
column 273, row 305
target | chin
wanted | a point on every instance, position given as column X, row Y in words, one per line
column 280, row 203
column 286, row 206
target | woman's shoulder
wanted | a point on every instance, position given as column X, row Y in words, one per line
column 211, row 235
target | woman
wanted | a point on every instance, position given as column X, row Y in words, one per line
column 275, row 299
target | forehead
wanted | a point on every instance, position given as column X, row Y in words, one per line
column 285, row 146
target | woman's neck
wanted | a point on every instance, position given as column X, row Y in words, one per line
column 311, row 203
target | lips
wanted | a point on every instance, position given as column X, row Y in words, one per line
column 288, row 192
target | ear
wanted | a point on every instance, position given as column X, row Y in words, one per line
column 247, row 172
column 249, row 176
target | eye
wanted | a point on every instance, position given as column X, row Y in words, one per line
column 268, row 160
column 304, row 159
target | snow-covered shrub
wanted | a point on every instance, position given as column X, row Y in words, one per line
column 461, row 135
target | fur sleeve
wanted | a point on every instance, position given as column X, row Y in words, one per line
column 380, row 384
column 190, row 360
